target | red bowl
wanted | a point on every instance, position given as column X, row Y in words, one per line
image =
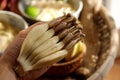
column 3, row 4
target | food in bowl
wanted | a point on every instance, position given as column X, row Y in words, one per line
column 32, row 11
column 7, row 33
column 10, row 25
column 49, row 9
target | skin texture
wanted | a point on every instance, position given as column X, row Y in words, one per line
column 9, row 60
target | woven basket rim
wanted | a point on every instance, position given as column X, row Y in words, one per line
column 114, row 40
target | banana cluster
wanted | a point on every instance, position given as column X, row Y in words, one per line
column 49, row 42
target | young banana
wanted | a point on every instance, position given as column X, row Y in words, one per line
column 29, row 40
column 52, row 49
column 51, row 59
column 49, row 43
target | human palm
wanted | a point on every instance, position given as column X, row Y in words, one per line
column 8, row 60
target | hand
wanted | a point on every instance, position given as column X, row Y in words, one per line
column 9, row 60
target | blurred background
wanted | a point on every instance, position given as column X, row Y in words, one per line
column 112, row 6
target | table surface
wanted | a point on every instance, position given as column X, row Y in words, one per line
column 114, row 73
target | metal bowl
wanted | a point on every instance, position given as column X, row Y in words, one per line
column 77, row 6
column 15, row 21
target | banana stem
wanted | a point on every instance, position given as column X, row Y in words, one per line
column 19, row 70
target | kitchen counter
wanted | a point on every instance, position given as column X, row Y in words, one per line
column 114, row 73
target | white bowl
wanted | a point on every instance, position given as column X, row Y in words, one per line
column 15, row 21
column 77, row 6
